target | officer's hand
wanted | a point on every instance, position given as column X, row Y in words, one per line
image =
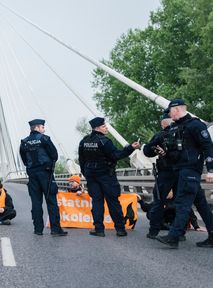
column 1, row 210
column 209, row 177
column 159, row 151
column 170, row 195
column 136, row 145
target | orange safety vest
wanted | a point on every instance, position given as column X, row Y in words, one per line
column 2, row 199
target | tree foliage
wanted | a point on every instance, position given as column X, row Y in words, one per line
column 83, row 127
column 60, row 168
column 173, row 57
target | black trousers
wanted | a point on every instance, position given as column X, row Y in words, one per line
column 189, row 192
column 167, row 180
column 43, row 183
column 8, row 213
column 101, row 187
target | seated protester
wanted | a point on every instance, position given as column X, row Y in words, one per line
column 168, row 213
column 7, row 211
column 75, row 185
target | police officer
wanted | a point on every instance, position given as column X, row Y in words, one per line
column 166, row 176
column 98, row 157
column 39, row 155
column 189, row 143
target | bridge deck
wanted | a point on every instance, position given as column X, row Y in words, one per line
column 80, row 260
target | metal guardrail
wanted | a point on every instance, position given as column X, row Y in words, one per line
column 131, row 180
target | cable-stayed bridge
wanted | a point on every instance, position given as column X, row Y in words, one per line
column 79, row 260
column 15, row 110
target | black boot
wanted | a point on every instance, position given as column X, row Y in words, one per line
column 121, row 233
column 182, row 238
column 38, row 233
column 208, row 243
column 97, row 233
column 169, row 240
column 152, row 234
column 60, row 232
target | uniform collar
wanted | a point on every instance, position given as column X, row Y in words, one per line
column 34, row 132
column 183, row 119
column 96, row 132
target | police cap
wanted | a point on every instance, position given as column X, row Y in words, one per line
column 96, row 122
column 165, row 114
column 36, row 122
column 176, row 102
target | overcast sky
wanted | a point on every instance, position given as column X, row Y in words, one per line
column 92, row 27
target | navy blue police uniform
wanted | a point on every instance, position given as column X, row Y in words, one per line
column 166, row 179
column 98, row 157
column 188, row 144
column 39, row 155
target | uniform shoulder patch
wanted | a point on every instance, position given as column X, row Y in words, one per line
column 103, row 139
column 24, row 140
column 45, row 137
column 205, row 134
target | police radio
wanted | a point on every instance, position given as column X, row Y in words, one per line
column 179, row 143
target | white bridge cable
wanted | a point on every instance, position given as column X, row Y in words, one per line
column 6, row 111
column 60, row 145
column 12, row 57
column 6, row 145
column 76, row 94
column 8, row 149
column 53, row 71
column 137, row 160
column 5, row 148
column 12, row 91
column 154, row 97
column 32, row 94
column 159, row 100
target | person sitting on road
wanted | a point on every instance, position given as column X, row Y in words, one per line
column 75, row 185
column 7, row 211
column 168, row 213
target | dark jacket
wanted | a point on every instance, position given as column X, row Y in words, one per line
column 163, row 162
column 97, row 152
column 8, row 201
column 38, row 152
column 190, row 144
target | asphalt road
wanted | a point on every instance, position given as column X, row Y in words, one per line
column 83, row 261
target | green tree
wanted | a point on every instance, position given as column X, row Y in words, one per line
column 198, row 75
column 183, row 53
column 172, row 57
column 127, row 110
column 60, row 168
column 83, row 127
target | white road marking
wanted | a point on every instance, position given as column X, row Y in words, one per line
column 7, row 252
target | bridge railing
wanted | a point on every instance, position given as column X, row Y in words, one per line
column 131, row 180
column 21, row 174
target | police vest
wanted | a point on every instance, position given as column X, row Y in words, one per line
column 182, row 147
column 178, row 138
column 163, row 162
column 36, row 155
column 92, row 148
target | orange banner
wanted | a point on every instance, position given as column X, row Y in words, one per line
column 75, row 211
